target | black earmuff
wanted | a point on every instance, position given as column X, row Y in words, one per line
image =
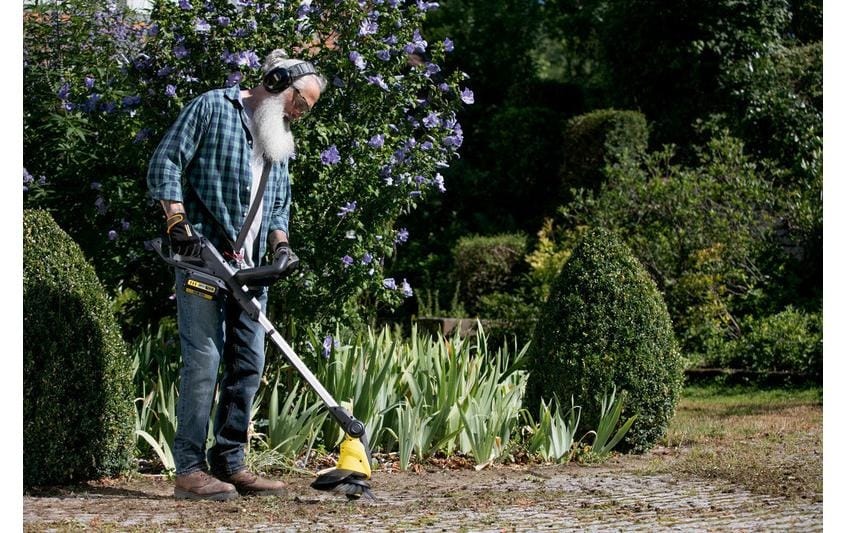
column 280, row 78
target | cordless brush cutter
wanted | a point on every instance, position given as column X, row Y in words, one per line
column 210, row 276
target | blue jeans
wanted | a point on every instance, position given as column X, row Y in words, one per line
column 211, row 331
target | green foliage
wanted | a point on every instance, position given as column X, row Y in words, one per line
column 487, row 264
column 553, row 436
column 597, row 139
column 699, row 231
column 779, row 108
column 610, row 432
column 77, row 392
column 93, row 145
column 787, row 341
column 606, row 324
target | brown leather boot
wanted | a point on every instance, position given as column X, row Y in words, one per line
column 249, row 484
column 201, row 486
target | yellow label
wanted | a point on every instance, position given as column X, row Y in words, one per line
column 201, row 286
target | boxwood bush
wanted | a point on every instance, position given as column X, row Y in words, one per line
column 77, row 388
column 488, row 264
column 606, row 324
column 598, row 138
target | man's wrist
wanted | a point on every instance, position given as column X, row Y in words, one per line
column 172, row 208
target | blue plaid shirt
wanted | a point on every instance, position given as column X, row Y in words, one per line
column 206, row 153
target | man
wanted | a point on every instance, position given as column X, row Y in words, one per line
column 207, row 170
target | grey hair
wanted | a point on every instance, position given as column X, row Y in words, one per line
column 279, row 58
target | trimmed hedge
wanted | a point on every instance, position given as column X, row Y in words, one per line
column 488, row 264
column 77, row 387
column 606, row 324
column 596, row 139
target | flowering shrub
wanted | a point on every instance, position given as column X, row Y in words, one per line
column 370, row 151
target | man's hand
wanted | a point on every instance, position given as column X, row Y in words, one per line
column 183, row 239
column 283, row 253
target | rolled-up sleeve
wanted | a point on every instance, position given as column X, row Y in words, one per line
column 281, row 202
column 175, row 151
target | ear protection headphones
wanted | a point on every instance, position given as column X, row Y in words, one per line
column 280, row 78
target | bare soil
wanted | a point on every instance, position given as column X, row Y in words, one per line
column 753, row 470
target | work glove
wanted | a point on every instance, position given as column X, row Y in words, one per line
column 283, row 253
column 183, row 239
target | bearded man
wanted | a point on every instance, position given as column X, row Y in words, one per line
column 210, row 168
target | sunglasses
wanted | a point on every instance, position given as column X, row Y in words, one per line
column 300, row 103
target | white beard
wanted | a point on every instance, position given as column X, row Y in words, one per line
column 272, row 130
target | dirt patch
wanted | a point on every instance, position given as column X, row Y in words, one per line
column 613, row 496
column 725, row 464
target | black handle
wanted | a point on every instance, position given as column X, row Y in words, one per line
column 268, row 274
column 262, row 276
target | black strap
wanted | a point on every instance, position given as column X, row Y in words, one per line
column 236, row 246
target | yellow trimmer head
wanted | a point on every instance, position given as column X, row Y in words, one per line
column 349, row 476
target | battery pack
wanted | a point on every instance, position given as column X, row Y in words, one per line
column 202, row 285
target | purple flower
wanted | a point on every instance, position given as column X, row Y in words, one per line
column 426, row 145
column 170, row 91
column 185, row 4
column 223, row 21
column 426, row 6
column 347, row 260
column 449, row 46
column 96, row 185
column 439, row 181
column 101, row 206
column 402, row 236
column 384, row 55
column 358, row 60
column 366, row 259
column 91, row 103
column 112, row 235
column 368, row 27
column 338, row 82
column 64, row 91
column 390, row 39
column 417, row 44
column 89, row 82
column 328, row 344
column 234, row 78
column 432, row 120
column 349, row 208
column 179, row 51
column 330, row 156
column 27, row 179
column 467, row 96
column 378, row 81
column 131, row 101
column 164, row 71
column 419, row 180
column 432, row 69
column 124, row 225
column 107, row 107
column 202, row 26
column 389, row 283
column 142, row 135
column 444, row 87
column 377, row 141
column 406, row 289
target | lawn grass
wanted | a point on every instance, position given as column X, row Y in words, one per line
column 767, row 440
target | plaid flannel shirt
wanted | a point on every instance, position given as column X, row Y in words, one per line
column 206, row 154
